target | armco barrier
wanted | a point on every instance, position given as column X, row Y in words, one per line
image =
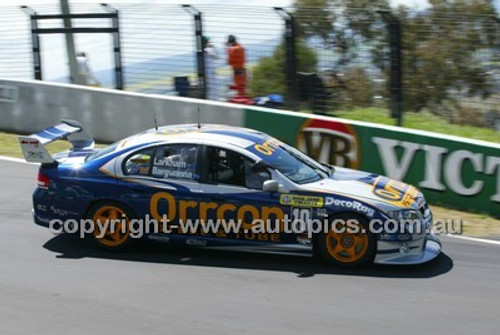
column 450, row 170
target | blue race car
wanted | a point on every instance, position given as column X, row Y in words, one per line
column 225, row 187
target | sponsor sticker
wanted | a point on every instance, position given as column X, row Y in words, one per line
column 196, row 243
column 350, row 204
column 61, row 212
column 268, row 147
column 41, row 207
column 301, row 200
column 160, row 238
column 34, row 143
column 36, row 154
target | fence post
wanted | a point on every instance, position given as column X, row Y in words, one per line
column 115, row 30
column 74, row 74
column 200, row 55
column 396, row 75
column 291, row 57
column 117, row 51
column 35, row 42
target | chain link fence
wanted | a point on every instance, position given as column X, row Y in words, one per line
column 312, row 59
column 452, row 66
column 345, row 64
column 15, row 44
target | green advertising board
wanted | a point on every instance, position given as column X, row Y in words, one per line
column 452, row 171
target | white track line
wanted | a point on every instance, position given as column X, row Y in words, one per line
column 473, row 239
column 16, row 160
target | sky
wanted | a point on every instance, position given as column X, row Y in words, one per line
column 415, row 4
column 270, row 3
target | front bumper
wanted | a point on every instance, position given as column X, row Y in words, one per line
column 419, row 251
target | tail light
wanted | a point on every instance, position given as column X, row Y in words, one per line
column 43, row 180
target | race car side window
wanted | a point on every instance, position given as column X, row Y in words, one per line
column 176, row 161
column 139, row 163
column 255, row 179
column 229, row 167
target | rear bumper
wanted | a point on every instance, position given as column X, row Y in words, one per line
column 41, row 220
column 49, row 206
column 419, row 252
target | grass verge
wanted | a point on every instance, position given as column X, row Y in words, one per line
column 421, row 121
column 478, row 225
column 9, row 146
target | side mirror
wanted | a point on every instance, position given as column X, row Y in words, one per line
column 271, row 186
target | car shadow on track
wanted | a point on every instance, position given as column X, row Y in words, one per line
column 71, row 247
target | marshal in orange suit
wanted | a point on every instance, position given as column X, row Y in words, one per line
column 236, row 59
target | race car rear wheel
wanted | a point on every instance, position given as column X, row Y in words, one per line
column 347, row 244
column 111, row 226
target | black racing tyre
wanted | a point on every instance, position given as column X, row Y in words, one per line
column 109, row 235
column 348, row 248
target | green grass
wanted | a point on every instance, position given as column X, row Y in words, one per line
column 422, row 121
column 479, row 225
column 9, row 146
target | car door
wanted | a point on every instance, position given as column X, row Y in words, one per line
column 232, row 190
column 162, row 182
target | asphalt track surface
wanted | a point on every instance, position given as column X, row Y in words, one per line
column 63, row 285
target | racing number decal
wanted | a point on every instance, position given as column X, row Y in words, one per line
column 389, row 193
column 301, row 214
column 394, row 191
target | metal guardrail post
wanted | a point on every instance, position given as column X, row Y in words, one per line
column 291, row 58
column 117, row 53
column 396, row 71
column 35, row 42
column 200, row 54
column 396, row 67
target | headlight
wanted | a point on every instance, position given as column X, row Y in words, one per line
column 405, row 224
column 404, row 214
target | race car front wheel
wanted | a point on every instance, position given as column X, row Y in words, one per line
column 111, row 226
column 348, row 243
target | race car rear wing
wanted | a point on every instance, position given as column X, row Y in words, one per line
column 33, row 146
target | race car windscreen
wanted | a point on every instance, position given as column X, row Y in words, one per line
column 295, row 165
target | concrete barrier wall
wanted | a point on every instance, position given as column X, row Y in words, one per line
column 110, row 115
column 450, row 170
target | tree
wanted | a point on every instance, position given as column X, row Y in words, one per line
column 269, row 75
column 359, row 88
column 441, row 50
column 440, row 45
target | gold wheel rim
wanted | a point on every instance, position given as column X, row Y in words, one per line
column 347, row 247
column 111, row 226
